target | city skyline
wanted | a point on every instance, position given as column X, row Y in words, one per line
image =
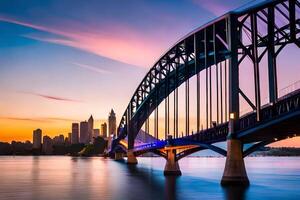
column 41, row 88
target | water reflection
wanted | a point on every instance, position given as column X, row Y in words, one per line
column 235, row 192
column 69, row 178
column 170, row 187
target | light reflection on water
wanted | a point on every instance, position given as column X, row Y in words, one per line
column 99, row 178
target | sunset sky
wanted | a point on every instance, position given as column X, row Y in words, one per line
column 63, row 60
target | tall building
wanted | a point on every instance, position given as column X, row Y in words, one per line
column 75, row 133
column 47, row 145
column 112, row 124
column 37, row 139
column 104, row 130
column 70, row 138
column 84, row 135
column 59, row 140
column 91, row 128
column 96, row 133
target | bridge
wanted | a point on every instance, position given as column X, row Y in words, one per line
column 214, row 54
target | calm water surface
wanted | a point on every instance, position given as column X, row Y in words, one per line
column 98, row 178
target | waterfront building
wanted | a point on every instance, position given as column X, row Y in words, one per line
column 37, row 139
column 112, row 123
column 90, row 128
column 96, row 133
column 84, row 136
column 69, row 138
column 75, row 133
column 47, row 145
column 104, row 130
column 59, row 140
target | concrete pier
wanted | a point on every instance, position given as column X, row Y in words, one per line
column 131, row 159
column 119, row 156
column 172, row 166
column 235, row 171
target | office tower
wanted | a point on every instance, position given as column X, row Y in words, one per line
column 75, row 133
column 96, row 133
column 47, row 145
column 70, row 138
column 84, row 136
column 104, row 130
column 37, row 138
column 59, row 140
column 112, row 124
column 90, row 128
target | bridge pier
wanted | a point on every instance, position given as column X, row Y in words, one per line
column 172, row 166
column 119, row 156
column 235, row 171
column 131, row 159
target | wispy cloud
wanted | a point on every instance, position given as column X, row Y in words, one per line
column 92, row 68
column 24, row 119
column 118, row 42
column 50, row 97
column 38, row 119
column 216, row 7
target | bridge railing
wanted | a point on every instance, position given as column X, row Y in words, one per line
column 288, row 90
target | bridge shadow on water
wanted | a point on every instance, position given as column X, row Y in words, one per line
column 155, row 185
column 235, row 192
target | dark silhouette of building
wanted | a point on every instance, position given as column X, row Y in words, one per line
column 104, row 130
column 84, row 135
column 96, row 132
column 112, row 123
column 37, row 139
column 59, row 140
column 91, row 128
column 75, row 133
column 47, row 145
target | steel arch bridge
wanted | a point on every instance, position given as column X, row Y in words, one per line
column 255, row 32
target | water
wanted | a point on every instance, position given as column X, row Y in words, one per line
column 98, row 178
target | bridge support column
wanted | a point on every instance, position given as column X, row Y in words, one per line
column 131, row 159
column 172, row 166
column 235, row 171
column 119, row 156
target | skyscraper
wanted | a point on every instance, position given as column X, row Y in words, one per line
column 59, row 140
column 112, row 124
column 37, row 138
column 47, row 145
column 69, row 138
column 84, row 135
column 91, row 128
column 75, row 133
column 96, row 133
column 104, row 130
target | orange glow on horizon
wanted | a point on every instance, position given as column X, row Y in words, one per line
column 18, row 130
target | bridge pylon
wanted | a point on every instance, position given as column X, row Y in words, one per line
column 235, row 171
column 172, row 166
column 131, row 158
column 119, row 156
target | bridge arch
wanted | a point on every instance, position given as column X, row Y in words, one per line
column 225, row 43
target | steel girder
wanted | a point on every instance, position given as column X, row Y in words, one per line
column 210, row 45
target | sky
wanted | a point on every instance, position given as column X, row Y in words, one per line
column 63, row 60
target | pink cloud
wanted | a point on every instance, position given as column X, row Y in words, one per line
column 38, row 119
column 119, row 42
column 92, row 68
column 49, row 97
column 24, row 119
